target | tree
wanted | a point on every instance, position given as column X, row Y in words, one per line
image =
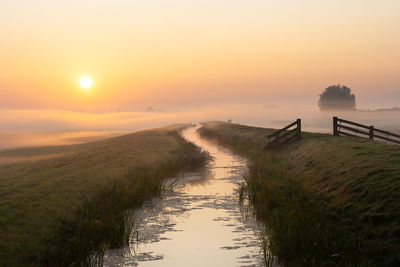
column 337, row 97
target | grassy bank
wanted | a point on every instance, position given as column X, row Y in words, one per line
column 60, row 204
column 326, row 200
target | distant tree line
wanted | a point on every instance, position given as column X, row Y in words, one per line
column 337, row 97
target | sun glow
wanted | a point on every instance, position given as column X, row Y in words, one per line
column 86, row 82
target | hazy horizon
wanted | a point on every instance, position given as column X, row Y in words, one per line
column 179, row 55
column 256, row 62
column 25, row 128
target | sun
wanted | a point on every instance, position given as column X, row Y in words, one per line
column 86, row 82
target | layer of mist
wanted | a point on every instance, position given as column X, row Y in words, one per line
column 25, row 128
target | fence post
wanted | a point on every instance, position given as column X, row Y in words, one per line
column 299, row 128
column 371, row 132
column 335, row 132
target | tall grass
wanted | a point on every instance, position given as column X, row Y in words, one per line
column 325, row 201
column 298, row 229
column 104, row 218
column 102, row 221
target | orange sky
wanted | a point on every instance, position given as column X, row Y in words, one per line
column 173, row 54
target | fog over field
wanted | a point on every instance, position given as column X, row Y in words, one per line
column 257, row 62
column 24, row 128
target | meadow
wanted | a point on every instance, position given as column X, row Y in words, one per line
column 63, row 205
column 325, row 200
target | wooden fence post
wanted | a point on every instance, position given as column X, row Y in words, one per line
column 335, row 131
column 299, row 128
column 371, row 132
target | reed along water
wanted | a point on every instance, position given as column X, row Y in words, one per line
column 197, row 222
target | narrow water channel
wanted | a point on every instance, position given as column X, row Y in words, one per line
column 199, row 222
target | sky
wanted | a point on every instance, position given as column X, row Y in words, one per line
column 178, row 55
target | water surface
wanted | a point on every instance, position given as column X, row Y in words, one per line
column 197, row 223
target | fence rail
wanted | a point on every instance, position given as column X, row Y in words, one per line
column 366, row 131
column 285, row 135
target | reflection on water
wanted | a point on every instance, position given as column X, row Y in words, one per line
column 197, row 223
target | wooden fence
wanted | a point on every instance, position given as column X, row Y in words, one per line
column 285, row 135
column 360, row 130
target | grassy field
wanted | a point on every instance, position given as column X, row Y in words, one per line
column 59, row 204
column 326, row 200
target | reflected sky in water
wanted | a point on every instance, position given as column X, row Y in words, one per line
column 198, row 223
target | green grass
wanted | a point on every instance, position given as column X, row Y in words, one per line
column 326, row 200
column 57, row 211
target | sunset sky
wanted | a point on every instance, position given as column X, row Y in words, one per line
column 176, row 54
